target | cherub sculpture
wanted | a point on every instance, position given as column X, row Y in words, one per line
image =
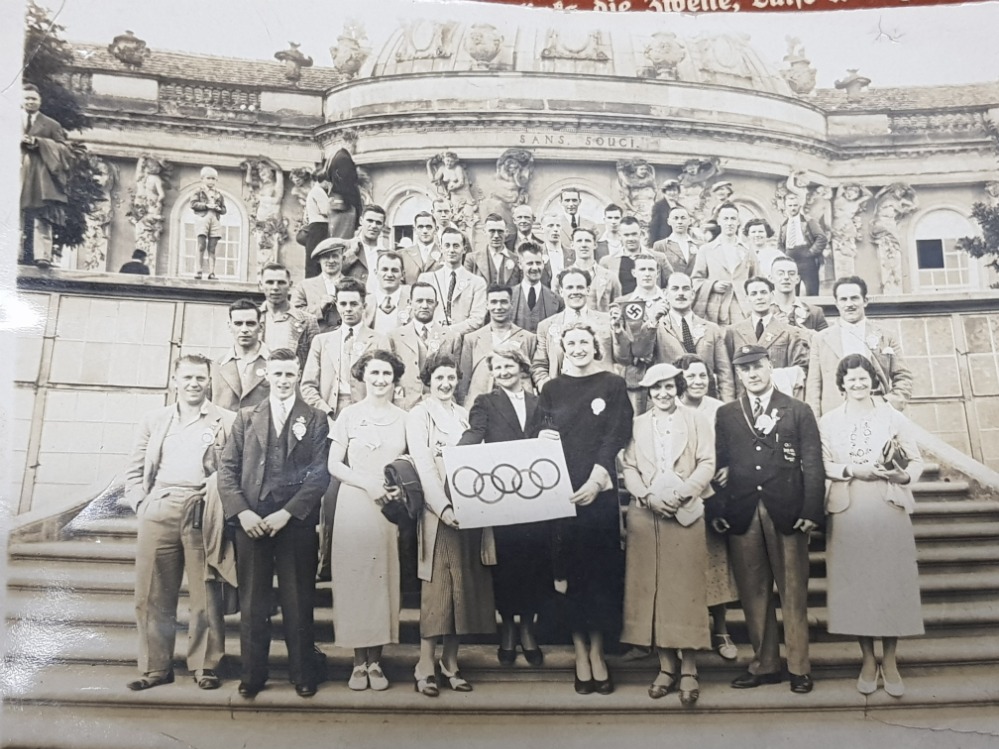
column 636, row 181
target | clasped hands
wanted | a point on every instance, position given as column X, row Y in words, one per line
column 588, row 492
column 258, row 527
column 878, row 472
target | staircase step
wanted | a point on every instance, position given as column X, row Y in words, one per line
column 945, row 488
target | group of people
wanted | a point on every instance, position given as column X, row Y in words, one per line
column 723, row 402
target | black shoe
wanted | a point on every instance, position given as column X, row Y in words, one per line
column 585, row 687
column 801, row 683
column 534, row 657
column 506, row 657
column 305, row 690
column 749, row 681
column 603, row 686
column 249, row 689
column 319, row 660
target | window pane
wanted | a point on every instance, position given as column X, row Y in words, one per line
column 930, row 253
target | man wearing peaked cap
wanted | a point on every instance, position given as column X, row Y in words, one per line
column 771, row 486
column 317, row 295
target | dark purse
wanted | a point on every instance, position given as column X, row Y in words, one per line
column 302, row 237
column 893, row 456
column 401, row 474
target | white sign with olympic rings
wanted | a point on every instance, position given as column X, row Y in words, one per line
column 505, row 483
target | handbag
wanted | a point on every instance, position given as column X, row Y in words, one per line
column 401, row 474
column 690, row 512
column 893, row 455
column 302, row 236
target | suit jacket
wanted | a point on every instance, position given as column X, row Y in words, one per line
column 548, row 304
column 476, row 348
column 806, row 316
column 227, row 387
column 894, row 376
column 480, row 262
column 371, row 307
column 787, row 346
column 711, row 266
column 303, row 329
column 581, row 223
column 613, row 264
column 782, row 469
column 413, row 265
column 692, row 458
column 304, row 477
column 815, row 240
column 320, row 384
column 310, row 295
column 44, row 167
column 513, row 241
column 674, row 255
column 144, row 461
column 355, row 261
column 468, row 303
column 493, row 419
column 547, row 362
column 406, row 343
column 605, row 288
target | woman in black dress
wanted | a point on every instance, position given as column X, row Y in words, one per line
column 588, row 409
column 522, row 579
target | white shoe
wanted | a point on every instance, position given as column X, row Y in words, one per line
column 358, row 679
column 376, row 678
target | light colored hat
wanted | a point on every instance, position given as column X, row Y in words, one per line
column 333, row 244
column 658, row 373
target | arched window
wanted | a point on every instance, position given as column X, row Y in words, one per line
column 939, row 263
column 231, row 253
column 591, row 206
column 403, row 213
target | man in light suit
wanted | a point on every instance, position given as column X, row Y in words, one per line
column 678, row 248
column 284, row 326
column 556, row 248
column 787, row 347
column 494, row 263
column 239, row 376
column 787, row 306
column 271, row 478
column 388, row 307
column 622, row 266
column 419, row 338
column 532, row 299
column 500, row 334
column 177, row 449
column 548, row 357
column 462, row 294
column 681, row 332
column 424, row 255
column 570, row 220
column 853, row 333
column 803, row 240
column 771, row 487
column 605, row 288
column 316, row 295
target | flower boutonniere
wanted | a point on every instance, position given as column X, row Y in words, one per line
column 208, row 436
column 405, row 315
column 555, row 331
column 261, row 372
column 298, row 428
column 766, row 423
column 598, row 405
column 872, row 341
column 800, row 313
column 768, row 337
column 698, row 332
column 888, row 351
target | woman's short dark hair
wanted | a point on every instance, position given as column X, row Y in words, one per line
column 357, row 370
column 758, row 222
column 597, row 354
column 681, row 384
column 857, row 361
column 435, row 362
column 514, row 355
column 684, row 362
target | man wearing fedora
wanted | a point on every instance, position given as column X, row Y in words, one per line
column 317, row 295
column 771, row 487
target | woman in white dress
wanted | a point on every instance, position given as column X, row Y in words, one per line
column 873, row 581
column 366, row 437
column 760, row 235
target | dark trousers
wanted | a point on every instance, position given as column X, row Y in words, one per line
column 808, row 270
column 316, row 232
column 292, row 554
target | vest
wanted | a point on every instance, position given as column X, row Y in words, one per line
column 274, row 469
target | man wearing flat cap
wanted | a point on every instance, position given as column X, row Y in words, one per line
column 317, row 295
column 771, row 486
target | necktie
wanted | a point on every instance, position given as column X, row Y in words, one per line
column 532, row 298
column 757, row 408
column 688, row 339
column 387, row 306
column 795, row 238
column 575, row 222
column 759, row 329
column 450, row 294
column 348, row 340
column 280, row 416
column 27, row 124
column 424, row 332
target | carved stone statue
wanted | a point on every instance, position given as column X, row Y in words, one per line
column 93, row 251
column 728, row 59
column 992, row 190
column 893, row 203
column 514, row 169
column 636, row 181
column 450, row 180
column 847, row 227
column 349, row 55
column 483, row 44
column 800, row 75
column 854, row 84
column 426, row 40
column 665, row 52
column 294, row 60
column 263, row 190
column 301, row 184
column 693, row 179
column 146, row 211
column 129, row 49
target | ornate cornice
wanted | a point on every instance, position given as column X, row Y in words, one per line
column 235, row 127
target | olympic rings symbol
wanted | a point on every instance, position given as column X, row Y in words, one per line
column 505, row 479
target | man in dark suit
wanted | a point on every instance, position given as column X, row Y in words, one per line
column 803, row 240
column 523, row 220
column 360, row 259
column 771, row 484
column 532, row 300
column 494, row 262
column 239, row 376
column 272, row 477
column 679, row 247
column 424, row 254
column 137, row 265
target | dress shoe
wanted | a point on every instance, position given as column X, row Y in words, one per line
column 358, row 680
column 454, row 680
column 893, row 688
column 657, row 690
column 690, row 695
column 585, row 687
column 801, row 683
column 506, row 657
column 427, row 686
column 868, row 687
column 376, row 677
column 148, row 682
column 207, row 679
column 249, row 689
column 604, row 686
column 750, row 681
column 725, row 647
column 637, row 653
column 306, row 689
column 534, row 657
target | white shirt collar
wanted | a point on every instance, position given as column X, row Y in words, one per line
column 765, row 318
column 764, row 399
column 276, row 403
column 528, row 285
column 344, row 328
column 676, row 317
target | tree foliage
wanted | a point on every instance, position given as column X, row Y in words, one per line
column 46, row 59
column 986, row 245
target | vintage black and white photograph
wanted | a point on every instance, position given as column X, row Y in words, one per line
column 408, row 371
